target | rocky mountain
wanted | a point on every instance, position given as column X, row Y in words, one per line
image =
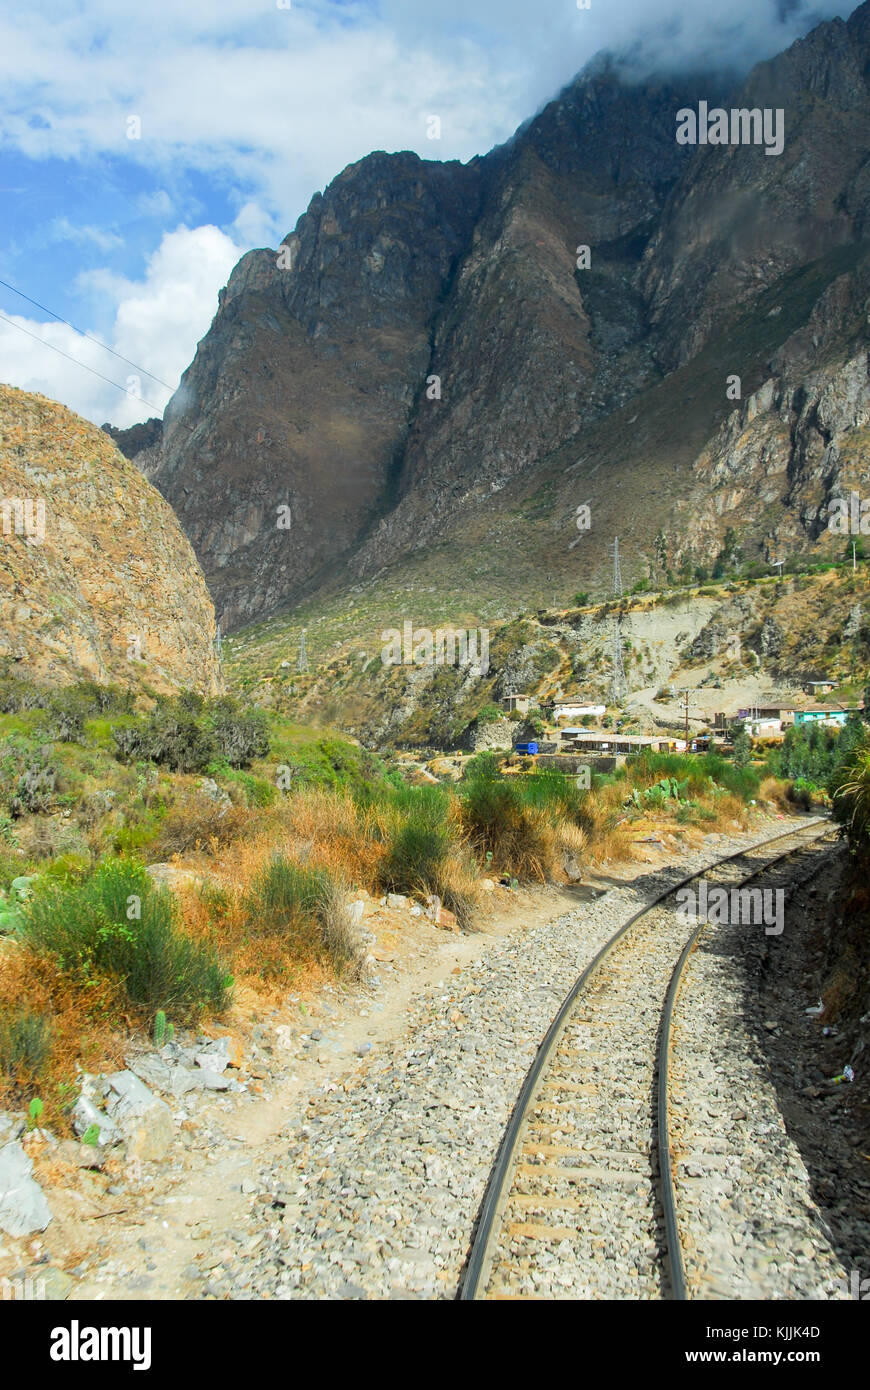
column 96, row 576
column 418, row 389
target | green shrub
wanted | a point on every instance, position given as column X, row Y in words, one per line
column 36, row 790
column 305, row 904
column 92, row 927
column 25, row 1045
column 508, row 826
column 239, row 734
column 172, row 736
column 802, row 792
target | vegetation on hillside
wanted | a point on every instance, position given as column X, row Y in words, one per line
column 263, row 831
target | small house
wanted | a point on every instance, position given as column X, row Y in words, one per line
column 520, row 703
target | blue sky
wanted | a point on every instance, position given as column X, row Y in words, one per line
column 246, row 108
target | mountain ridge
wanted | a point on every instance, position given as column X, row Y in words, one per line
column 436, row 350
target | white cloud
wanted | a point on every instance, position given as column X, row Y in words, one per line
column 158, row 321
column 156, row 204
column 255, row 226
column 61, row 229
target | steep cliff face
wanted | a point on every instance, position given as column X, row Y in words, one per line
column 778, row 462
column 432, row 356
column 301, row 394
column 740, row 218
column 532, row 345
column 96, row 576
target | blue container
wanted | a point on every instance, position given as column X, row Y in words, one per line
column 526, row 748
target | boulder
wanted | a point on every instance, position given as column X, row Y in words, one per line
column 144, row 1121
column 85, row 1114
column 169, row 876
column 23, row 1208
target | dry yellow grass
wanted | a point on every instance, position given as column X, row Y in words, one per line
column 88, row 1026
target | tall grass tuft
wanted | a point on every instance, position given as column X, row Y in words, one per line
column 25, row 1045
column 514, row 830
column 305, row 905
column 118, row 924
column 424, row 850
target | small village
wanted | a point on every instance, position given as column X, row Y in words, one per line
column 576, row 736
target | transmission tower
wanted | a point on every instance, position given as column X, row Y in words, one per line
column 302, row 663
column 617, row 572
column 617, row 672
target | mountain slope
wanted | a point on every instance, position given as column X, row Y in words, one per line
column 96, row 577
column 438, row 381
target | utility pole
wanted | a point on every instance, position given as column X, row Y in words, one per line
column 302, row 663
column 854, row 559
column 218, row 641
column 779, row 564
column 686, row 693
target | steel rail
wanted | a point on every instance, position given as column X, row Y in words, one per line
column 673, row 1244
column 495, row 1197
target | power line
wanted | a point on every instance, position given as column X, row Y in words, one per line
column 82, row 334
column 83, row 365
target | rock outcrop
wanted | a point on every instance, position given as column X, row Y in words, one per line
column 96, row 576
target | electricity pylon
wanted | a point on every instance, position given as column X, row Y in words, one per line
column 617, row 571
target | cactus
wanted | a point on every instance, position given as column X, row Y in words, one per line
column 159, row 1028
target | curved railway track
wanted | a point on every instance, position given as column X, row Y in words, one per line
column 602, row 1070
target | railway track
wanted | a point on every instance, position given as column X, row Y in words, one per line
column 581, row 1200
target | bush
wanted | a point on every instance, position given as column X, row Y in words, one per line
column 306, row 906
column 172, row 736
column 240, row 735
column 18, row 695
column 85, row 926
column 802, row 793
column 515, row 835
column 25, row 1045
column 199, row 821
column 35, row 792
